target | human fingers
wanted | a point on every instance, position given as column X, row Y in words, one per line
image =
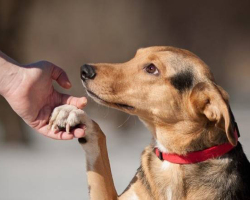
column 75, row 101
column 57, row 135
column 62, row 135
column 60, row 76
column 79, row 132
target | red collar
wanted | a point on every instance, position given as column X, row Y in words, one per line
column 197, row 156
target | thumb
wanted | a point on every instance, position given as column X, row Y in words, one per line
column 70, row 100
column 60, row 76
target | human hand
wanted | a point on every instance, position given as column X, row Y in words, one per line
column 32, row 96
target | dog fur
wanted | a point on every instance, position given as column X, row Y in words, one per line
column 175, row 95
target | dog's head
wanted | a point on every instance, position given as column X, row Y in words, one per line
column 170, row 89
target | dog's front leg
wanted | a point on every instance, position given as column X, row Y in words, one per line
column 101, row 185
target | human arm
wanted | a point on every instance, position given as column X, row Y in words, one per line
column 29, row 91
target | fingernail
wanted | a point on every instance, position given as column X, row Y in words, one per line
column 84, row 100
column 68, row 84
column 81, row 103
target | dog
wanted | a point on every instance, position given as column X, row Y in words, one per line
column 195, row 153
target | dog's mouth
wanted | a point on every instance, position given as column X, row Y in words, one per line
column 119, row 105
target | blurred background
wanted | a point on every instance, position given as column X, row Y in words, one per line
column 71, row 33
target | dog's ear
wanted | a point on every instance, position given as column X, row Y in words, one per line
column 211, row 101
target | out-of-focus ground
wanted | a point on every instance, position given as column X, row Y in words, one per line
column 71, row 33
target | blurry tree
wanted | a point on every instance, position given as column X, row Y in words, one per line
column 12, row 15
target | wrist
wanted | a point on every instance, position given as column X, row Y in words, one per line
column 9, row 72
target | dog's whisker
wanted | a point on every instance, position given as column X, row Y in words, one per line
column 124, row 122
column 107, row 112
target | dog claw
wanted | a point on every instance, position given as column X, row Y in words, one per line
column 68, row 128
column 50, row 125
column 54, row 128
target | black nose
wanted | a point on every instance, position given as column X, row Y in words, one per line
column 87, row 72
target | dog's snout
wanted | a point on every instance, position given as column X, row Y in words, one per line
column 87, row 72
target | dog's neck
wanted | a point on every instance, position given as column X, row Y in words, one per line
column 185, row 137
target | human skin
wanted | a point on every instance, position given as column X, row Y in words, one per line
column 30, row 92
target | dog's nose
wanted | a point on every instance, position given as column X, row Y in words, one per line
column 87, row 72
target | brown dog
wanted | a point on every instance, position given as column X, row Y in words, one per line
column 195, row 154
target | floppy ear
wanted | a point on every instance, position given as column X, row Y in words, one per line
column 212, row 101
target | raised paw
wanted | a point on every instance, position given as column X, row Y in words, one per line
column 67, row 117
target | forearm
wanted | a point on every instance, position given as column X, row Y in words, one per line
column 8, row 72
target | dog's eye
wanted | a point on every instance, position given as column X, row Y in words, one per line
column 152, row 69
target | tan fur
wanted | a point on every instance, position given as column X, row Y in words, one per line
column 192, row 120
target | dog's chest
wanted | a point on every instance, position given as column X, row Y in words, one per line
column 168, row 181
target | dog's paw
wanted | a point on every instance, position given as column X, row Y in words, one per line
column 68, row 117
